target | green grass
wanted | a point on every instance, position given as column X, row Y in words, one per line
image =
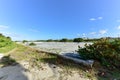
column 6, row 44
column 8, row 47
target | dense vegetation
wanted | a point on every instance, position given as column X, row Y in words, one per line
column 107, row 52
column 6, row 44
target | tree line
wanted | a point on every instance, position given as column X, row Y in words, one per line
column 68, row 40
column 72, row 40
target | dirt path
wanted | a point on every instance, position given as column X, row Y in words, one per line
column 23, row 71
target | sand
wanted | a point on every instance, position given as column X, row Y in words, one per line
column 59, row 47
column 23, row 71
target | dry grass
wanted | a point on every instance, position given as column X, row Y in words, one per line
column 98, row 72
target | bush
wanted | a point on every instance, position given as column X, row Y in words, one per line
column 24, row 41
column 64, row 40
column 105, row 51
column 77, row 40
column 32, row 44
column 49, row 40
column 4, row 41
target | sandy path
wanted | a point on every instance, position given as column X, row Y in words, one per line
column 12, row 73
column 46, row 72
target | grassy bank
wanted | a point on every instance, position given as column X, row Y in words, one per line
column 6, row 44
column 8, row 47
column 35, row 57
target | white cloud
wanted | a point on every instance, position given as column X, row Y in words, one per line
column 14, row 36
column 11, row 34
column 34, row 30
column 118, row 27
column 3, row 27
column 92, row 19
column 93, row 33
column 102, row 32
column 83, row 35
column 100, row 18
column 118, row 20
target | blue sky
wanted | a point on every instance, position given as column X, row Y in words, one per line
column 56, row 19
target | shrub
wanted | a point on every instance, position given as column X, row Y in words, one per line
column 77, row 40
column 5, row 41
column 32, row 44
column 105, row 51
column 24, row 41
column 49, row 40
column 64, row 40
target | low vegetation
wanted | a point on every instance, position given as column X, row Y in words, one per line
column 64, row 40
column 105, row 51
column 24, row 41
column 32, row 44
column 78, row 40
column 6, row 44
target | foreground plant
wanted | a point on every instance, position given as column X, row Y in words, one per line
column 105, row 51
